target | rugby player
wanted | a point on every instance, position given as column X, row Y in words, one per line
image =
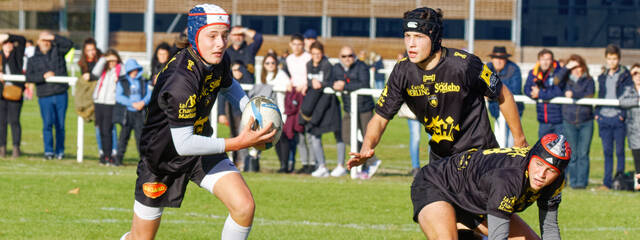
column 482, row 189
column 445, row 88
column 176, row 142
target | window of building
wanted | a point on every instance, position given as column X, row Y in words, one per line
column 47, row 20
column 297, row 24
column 581, row 7
column 162, row 22
column 350, row 27
column 130, row 22
column 77, row 21
column 563, row 7
column 262, row 24
column 389, row 27
column 493, row 29
column 9, row 19
column 454, row 28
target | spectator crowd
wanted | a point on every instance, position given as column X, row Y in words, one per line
column 111, row 92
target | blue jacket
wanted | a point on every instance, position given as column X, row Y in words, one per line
column 584, row 87
column 547, row 112
column 512, row 78
column 623, row 81
column 130, row 90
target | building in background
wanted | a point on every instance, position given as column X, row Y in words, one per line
column 365, row 24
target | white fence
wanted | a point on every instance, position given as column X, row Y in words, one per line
column 354, row 105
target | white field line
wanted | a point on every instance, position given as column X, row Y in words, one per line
column 264, row 221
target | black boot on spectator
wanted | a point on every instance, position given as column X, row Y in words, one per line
column 117, row 160
column 3, row 152
column 310, row 169
column 16, row 152
column 102, row 160
column 303, row 169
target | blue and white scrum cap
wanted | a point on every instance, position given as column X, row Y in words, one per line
column 201, row 16
column 554, row 150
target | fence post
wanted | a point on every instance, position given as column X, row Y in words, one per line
column 353, row 122
column 80, row 139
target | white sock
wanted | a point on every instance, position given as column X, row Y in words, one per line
column 124, row 237
column 233, row 231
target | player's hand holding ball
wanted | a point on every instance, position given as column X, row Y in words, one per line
column 261, row 123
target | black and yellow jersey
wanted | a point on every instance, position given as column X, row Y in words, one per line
column 184, row 94
column 448, row 100
column 492, row 181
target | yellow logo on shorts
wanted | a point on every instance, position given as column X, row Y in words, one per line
column 154, row 190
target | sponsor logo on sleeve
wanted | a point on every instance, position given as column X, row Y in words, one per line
column 187, row 109
column 458, row 54
column 154, row 190
column 507, row 204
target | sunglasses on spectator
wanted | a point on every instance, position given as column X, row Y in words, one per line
column 346, row 56
column 269, row 63
column 235, row 69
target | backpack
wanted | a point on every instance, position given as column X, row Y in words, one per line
column 623, row 181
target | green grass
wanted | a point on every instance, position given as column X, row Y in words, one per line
column 35, row 203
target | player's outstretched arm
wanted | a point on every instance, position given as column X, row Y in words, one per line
column 248, row 138
column 509, row 109
column 375, row 128
column 498, row 227
column 549, row 224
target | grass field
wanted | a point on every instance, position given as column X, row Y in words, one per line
column 36, row 202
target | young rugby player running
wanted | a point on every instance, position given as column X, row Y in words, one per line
column 176, row 144
column 482, row 189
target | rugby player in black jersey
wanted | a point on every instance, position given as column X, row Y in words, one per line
column 176, row 143
column 482, row 189
column 445, row 88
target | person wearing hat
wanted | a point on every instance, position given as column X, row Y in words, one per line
column 509, row 74
column 310, row 36
column 483, row 189
column 176, row 144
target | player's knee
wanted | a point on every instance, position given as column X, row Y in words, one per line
column 243, row 209
column 145, row 212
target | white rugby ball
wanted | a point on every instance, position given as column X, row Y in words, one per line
column 263, row 110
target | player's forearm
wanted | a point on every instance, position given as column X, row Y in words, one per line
column 189, row 144
column 375, row 128
column 549, row 225
column 498, row 227
column 235, row 144
column 509, row 109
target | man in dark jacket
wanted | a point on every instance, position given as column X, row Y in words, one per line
column 611, row 124
column 240, row 50
column 510, row 75
column 351, row 75
column 48, row 61
column 541, row 85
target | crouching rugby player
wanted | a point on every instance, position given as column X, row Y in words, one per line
column 483, row 189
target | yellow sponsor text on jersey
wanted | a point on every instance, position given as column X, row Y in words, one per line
column 187, row 109
column 458, row 54
column 429, row 78
column 383, row 95
column 445, row 87
column 507, row 204
column 198, row 126
column 417, row 90
column 442, row 129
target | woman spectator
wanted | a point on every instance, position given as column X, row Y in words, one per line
column 278, row 79
column 629, row 101
column 85, row 87
column 160, row 58
column 11, row 62
column 109, row 69
column 376, row 64
column 320, row 112
column 577, row 119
